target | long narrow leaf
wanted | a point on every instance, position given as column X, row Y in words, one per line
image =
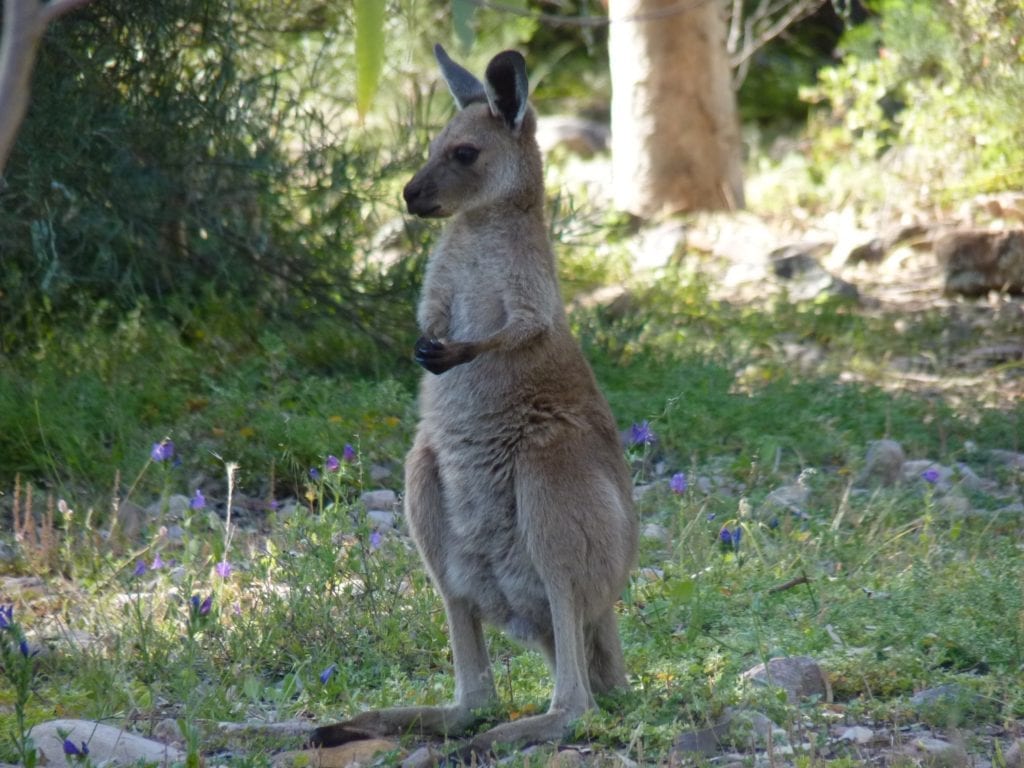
column 369, row 51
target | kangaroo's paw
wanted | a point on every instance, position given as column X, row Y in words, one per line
column 424, row 721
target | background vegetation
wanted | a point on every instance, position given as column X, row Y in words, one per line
column 201, row 240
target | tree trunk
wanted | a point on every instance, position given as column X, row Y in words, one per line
column 675, row 130
column 24, row 24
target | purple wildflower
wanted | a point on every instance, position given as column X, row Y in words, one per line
column 730, row 539
column 314, row 473
column 678, row 483
column 328, row 673
column 930, row 476
column 198, row 501
column 333, row 463
column 375, row 540
column 72, row 750
column 348, row 454
column 641, row 434
column 6, row 616
column 162, row 451
column 194, row 602
column 158, row 563
column 205, row 606
column 140, row 568
column 23, row 647
column 223, row 569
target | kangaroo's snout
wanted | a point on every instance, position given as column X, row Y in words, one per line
column 421, row 198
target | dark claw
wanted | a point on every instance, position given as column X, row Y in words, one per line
column 431, row 353
column 438, row 357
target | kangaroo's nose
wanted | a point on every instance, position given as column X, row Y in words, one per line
column 412, row 191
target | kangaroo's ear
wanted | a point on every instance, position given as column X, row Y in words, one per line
column 507, row 87
column 464, row 86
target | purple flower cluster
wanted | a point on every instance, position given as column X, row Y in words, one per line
column 641, row 434
column 73, row 750
column 678, row 483
column 162, row 451
column 730, row 540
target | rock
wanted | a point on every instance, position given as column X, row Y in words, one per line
column 805, row 279
column 788, row 498
column 174, row 507
column 702, row 741
column 799, row 676
column 937, row 752
column 870, row 252
column 345, row 756
column 382, row 499
column 914, row 472
column 979, row 261
column 1014, row 754
column 107, row 744
column 655, row 533
column 950, row 705
column 639, row 491
column 566, row 758
column 953, row 504
column 380, row 472
column 424, row 757
column 883, row 463
column 168, row 731
column 382, row 520
column 857, row 734
column 1009, row 459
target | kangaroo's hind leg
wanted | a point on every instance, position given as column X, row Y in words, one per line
column 474, row 682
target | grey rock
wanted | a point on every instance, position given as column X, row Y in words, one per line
column 107, row 745
column 1010, row 459
column 380, row 472
column 424, row 757
column 175, row 507
column 883, row 463
column 655, row 533
column 978, row 261
column 914, row 469
column 382, row 520
column 381, row 499
column 937, row 752
column 789, row 498
column 950, row 705
column 799, row 676
column 857, row 734
column 1013, row 755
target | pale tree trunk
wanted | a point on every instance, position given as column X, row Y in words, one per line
column 675, row 130
column 24, row 24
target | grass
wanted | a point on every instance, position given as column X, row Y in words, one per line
column 900, row 595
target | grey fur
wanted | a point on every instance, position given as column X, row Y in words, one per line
column 517, row 492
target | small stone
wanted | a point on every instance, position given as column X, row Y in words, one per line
column 424, row 757
column 650, row 573
column 704, row 485
column 799, row 676
column 382, row 499
column 914, row 470
column 175, row 507
column 655, row 533
column 788, row 498
column 858, row 734
column 381, row 520
column 883, row 463
column 380, row 472
column 566, row 758
column 169, row 732
column 938, row 752
column 1013, row 756
column 639, row 491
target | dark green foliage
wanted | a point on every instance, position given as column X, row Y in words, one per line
column 165, row 162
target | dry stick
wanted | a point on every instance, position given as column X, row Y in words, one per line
column 796, row 581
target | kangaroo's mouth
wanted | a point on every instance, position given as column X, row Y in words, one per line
column 433, row 212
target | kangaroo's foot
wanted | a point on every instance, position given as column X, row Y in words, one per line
column 399, row 721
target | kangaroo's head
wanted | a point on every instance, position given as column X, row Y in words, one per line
column 487, row 155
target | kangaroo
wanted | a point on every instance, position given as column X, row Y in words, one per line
column 517, row 492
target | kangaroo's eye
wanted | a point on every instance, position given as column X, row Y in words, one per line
column 465, row 154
